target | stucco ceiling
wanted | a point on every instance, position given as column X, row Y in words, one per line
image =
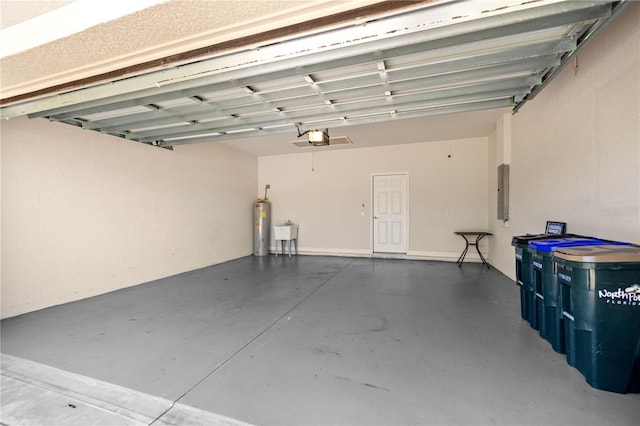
column 13, row 12
column 402, row 72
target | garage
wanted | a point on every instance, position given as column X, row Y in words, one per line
column 131, row 165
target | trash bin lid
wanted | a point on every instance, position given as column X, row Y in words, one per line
column 553, row 243
column 599, row 254
column 524, row 239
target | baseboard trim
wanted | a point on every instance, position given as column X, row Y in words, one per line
column 411, row 255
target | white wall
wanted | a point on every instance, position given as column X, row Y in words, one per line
column 502, row 253
column 324, row 191
column 84, row 213
column 576, row 147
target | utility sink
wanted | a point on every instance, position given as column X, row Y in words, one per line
column 285, row 232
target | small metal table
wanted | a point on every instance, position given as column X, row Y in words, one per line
column 479, row 235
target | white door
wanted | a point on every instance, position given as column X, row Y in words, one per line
column 390, row 213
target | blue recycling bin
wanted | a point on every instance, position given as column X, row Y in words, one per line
column 545, row 314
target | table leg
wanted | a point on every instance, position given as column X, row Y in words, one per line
column 464, row 252
column 478, row 250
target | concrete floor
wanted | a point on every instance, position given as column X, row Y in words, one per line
column 323, row 341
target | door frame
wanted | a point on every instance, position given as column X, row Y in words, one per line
column 372, row 213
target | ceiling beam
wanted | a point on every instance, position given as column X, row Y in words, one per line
column 380, row 8
column 102, row 98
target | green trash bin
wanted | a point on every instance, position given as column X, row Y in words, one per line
column 523, row 270
column 600, row 303
column 544, row 308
